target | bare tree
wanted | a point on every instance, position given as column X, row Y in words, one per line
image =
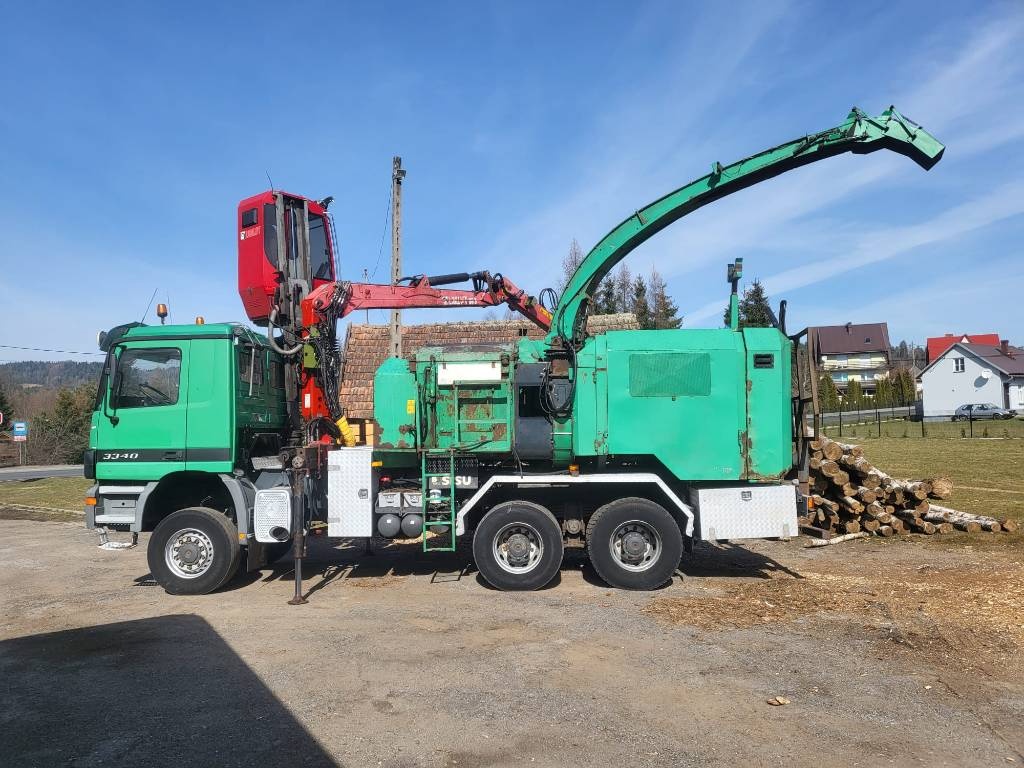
column 570, row 262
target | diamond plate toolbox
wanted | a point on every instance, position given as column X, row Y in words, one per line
column 745, row 512
column 351, row 488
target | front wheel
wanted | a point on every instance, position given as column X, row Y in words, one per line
column 193, row 551
column 518, row 546
column 634, row 543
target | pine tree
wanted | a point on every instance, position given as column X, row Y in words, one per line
column 641, row 305
column 884, row 392
column 755, row 309
column 62, row 435
column 664, row 312
column 606, row 300
column 854, row 396
column 828, row 394
column 904, row 387
column 6, row 409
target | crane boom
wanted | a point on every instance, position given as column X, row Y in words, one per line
column 859, row 134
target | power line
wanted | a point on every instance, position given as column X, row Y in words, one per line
column 384, row 234
column 40, row 349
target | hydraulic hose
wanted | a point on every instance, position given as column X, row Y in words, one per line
column 271, row 327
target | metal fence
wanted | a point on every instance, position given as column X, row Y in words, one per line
column 906, row 421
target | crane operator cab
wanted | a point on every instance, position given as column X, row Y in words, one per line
column 286, row 247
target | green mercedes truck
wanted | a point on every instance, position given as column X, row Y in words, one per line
column 628, row 444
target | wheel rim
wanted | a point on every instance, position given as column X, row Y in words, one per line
column 518, row 548
column 189, row 553
column 635, row 545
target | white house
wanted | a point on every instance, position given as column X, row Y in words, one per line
column 973, row 373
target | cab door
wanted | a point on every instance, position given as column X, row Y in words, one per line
column 140, row 431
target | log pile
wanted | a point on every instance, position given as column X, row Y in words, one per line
column 849, row 495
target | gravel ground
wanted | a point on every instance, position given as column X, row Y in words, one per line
column 402, row 659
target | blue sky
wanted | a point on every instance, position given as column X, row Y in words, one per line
column 130, row 132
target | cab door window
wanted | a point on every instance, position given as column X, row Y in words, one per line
column 319, row 254
column 251, row 369
column 147, row 378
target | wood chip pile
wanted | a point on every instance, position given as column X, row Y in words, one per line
column 849, row 495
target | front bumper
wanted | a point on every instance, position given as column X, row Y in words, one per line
column 117, row 507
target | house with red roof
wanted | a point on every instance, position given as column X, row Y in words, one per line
column 936, row 345
column 967, row 373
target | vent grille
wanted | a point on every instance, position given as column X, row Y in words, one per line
column 464, row 465
column 670, row 374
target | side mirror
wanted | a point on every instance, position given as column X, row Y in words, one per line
column 114, row 375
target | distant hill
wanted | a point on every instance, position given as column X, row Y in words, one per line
column 49, row 374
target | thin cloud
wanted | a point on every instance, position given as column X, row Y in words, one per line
column 1002, row 203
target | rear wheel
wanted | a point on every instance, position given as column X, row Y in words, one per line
column 193, row 551
column 518, row 546
column 634, row 543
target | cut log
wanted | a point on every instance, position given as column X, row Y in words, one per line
column 942, row 487
column 851, row 450
column 953, row 516
column 836, row 539
column 945, row 527
column 1009, row 525
column 871, row 477
column 829, row 468
column 885, row 530
column 918, row 490
column 867, row 495
column 831, row 449
column 851, row 505
column 821, row 501
column 921, row 526
column 870, row 525
column 918, row 506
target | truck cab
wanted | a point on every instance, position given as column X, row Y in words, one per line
column 184, row 417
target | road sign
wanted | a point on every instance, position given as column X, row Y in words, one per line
column 19, row 431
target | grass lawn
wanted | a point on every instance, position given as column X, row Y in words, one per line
column 931, row 429
column 988, row 475
column 52, row 492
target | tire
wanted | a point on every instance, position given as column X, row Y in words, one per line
column 643, row 526
column 499, row 540
column 212, row 552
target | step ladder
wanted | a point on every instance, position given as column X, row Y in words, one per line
column 432, row 516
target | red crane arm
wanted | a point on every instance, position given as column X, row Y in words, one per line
column 342, row 298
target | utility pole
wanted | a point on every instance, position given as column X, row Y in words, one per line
column 397, row 174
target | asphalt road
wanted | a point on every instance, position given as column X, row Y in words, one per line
column 36, row 472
